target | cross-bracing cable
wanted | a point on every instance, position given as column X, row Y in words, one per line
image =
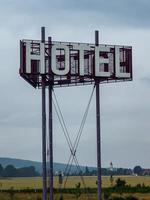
column 74, row 156
column 80, row 130
column 69, row 143
column 73, row 148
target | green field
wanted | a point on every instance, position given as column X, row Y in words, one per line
column 90, row 181
column 36, row 183
column 36, row 196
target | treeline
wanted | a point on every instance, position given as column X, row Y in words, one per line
column 11, row 171
column 137, row 170
column 104, row 171
column 117, row 171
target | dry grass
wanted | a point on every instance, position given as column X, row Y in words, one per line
column 20, row 183
column 35, row 196
column 138, row 195
column 23, row 183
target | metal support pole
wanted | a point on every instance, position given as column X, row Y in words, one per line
column 50, row 143
column 43, row 126
column 50, row 128
column 98, row 128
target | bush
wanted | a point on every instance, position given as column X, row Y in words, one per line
column 120, row 183
column 118, row 198
column 39, row 198
column 107, row 195
column 78, row 190
column 131, row 198
column 125, row 198
column 61, row 198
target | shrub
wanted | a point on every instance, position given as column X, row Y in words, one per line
column 39, row 198
column 120, row 183
column 107, row 195
column 118, row 198
column 131, row 198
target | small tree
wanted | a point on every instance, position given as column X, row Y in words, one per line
column 9, row 171
column 78, row 191
column 120, row 183
column 118, row 198
column 61, row 197
column 39, row 198
column 96, row 182
column 107, row 195
column 111, row 180
column 1, row 170
column 131, row 198
column 87, row 172
column 11, row 193
column 138, row 170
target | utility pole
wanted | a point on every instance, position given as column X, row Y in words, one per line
column 97, row 83
column 50, row 125
column 43, row 125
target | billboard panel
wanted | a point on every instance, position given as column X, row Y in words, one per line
column 68, row 63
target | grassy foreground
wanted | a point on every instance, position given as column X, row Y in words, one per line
column 36, row 183
column 38, row 196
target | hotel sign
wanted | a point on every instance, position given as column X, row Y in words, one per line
column 65, row 63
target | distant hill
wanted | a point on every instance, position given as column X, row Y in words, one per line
column 18, row 163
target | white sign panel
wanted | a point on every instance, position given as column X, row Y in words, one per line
column 76, row 61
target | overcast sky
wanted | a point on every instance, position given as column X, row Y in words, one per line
column 125, row 107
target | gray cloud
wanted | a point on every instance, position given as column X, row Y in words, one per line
column 132, row 13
